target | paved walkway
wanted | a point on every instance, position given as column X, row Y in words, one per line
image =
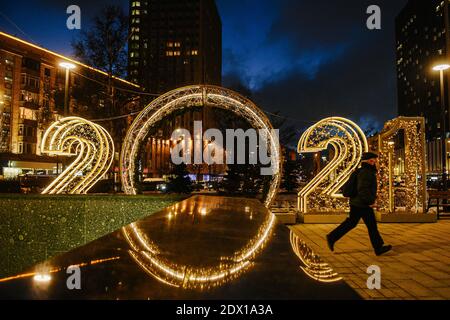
column 417, row 268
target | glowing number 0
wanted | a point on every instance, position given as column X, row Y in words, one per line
column 90, row 143
column 348, row 142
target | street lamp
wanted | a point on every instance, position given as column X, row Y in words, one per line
column 441, row 68
column 68, row 66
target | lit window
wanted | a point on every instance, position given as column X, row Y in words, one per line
column 28, row 114
column 194, row 52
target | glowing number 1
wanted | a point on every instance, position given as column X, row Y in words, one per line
column 348, row 142
column 90, row 143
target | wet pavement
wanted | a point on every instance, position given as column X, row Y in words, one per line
column 416, row 269
column 201, row 248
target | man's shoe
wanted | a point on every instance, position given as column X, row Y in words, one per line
column 383, row 250
column 330, row 244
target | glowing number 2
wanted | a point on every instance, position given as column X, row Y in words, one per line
column 90, row 143
column 348, row 142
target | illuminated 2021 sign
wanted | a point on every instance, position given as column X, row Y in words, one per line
column 92, row 146
column 411, row 195
column 348, row 143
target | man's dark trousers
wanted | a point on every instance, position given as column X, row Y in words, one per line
column 356, row 213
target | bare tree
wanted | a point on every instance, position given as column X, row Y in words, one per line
column 103, row 45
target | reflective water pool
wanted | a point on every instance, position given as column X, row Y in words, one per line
column 200, row 248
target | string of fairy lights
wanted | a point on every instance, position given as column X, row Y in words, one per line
column 413, row 197
column 89, row 142
column 201, row 95
column 348, row 143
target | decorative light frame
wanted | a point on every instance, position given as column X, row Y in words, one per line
column 349, row 142
column 192, row 96
column 89, row 142
column 415, row 164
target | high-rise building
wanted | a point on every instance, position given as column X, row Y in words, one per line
column 174, row 43
column 423, row 41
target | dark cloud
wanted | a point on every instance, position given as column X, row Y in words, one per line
column 357, row 85
column 338, row 67
column 318, row 24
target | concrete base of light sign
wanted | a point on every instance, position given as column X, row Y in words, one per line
column 322, row 218
column 286, row 217
column 406, row 217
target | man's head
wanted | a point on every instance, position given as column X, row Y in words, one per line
column 370, row 158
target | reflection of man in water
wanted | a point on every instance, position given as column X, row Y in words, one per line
column 361, row 206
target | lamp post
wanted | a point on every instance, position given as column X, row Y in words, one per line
column 68, row 66
column 441, row 68
column 391, row 175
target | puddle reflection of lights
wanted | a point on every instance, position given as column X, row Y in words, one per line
column 313, row 267
column 144, row 253
column 42, row 278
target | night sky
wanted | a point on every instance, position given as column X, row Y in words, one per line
column 308, row 59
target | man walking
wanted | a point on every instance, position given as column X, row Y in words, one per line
column 361, row 206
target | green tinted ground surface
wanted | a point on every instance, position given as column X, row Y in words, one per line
column 34, row 228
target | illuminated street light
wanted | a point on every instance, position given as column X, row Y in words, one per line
column 42, row 278
column 68, row 66
column 441, row 68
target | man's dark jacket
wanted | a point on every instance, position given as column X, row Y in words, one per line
column 366, row 186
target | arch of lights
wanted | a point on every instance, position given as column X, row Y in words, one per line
column 90, row 143
column 144, row 251
column 414, row 190
column 313, row 266
column 147, row 255
column 348, row 143
column 195, row 96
